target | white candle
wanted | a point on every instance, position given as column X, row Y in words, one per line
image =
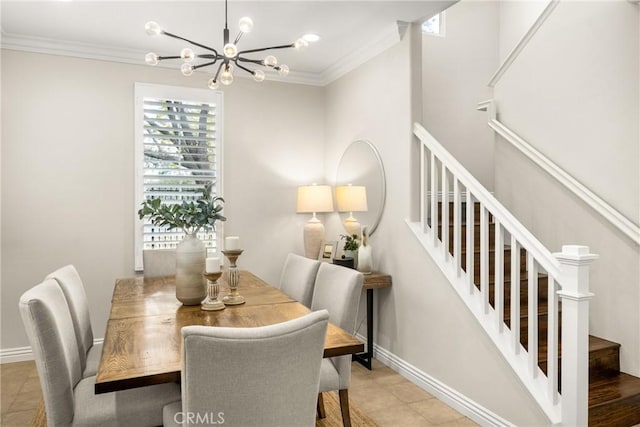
column 213, row 265
column 232, row 243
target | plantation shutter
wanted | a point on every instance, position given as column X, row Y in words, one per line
column 180, row 150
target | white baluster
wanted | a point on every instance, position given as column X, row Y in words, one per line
column 575, row 296
column 532, row 315
column 445, row 214
column 484, row 258
column 498, row 279
column 457, row 225
column 434, row 199
column 423, row 213
column 552, row 341
column 515, row 295
column 470, row 241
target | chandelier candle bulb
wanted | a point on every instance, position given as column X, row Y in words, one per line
column 213, row 265
column 232, row 243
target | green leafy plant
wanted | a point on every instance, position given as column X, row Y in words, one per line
column 191, row 217
column 350, row 242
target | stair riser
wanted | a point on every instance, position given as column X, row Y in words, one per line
column 604, row 363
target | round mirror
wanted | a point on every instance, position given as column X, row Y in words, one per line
column 361, row 165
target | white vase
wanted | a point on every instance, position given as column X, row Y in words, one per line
column 364, row 254
column 191, row 256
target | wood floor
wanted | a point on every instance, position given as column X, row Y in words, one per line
column 383, row 395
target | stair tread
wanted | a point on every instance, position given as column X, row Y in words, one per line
column 595, row 344
column 605, row 390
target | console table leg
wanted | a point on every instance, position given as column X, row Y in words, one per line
column 365, row 359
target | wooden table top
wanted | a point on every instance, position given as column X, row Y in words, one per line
column 376, row 280
column 143, row 342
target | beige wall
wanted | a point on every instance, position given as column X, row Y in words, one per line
column 67, row 172
column 573, row 94
column 456, row 69
column 420, row 318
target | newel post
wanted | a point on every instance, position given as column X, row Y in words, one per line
column 575, row 296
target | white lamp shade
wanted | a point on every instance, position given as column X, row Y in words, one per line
column 314, row 198
column 351, row 198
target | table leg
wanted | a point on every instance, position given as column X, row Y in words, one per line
column 366, row 358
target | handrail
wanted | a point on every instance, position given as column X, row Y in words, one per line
column 510, row 59
column 610, row 213
column 544, row 257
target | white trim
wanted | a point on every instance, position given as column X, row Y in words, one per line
column 22, row 354
column 16, row 354
column 607, row 211
column 523, row 42
column 440, row 390
column 387, row 38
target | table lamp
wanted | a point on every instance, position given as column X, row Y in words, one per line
column 351, row 198
column 313, row 199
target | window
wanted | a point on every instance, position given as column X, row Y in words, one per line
column 177, row 152
column 434, row 25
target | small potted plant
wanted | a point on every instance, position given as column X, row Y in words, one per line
column 191, row 217
column 350, row 247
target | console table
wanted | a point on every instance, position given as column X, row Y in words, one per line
column 371, row 281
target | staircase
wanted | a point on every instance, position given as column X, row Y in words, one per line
column 524, row 297
column 614, row 397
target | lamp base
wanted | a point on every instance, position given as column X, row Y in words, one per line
column 352, row 226
column 313, row 237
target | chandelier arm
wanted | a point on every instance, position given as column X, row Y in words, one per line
column 206, row 64
column 160, row 58
column 189, row 41
column 238, row 37
column 284, row 46
column 209, row 56
column 254, row 61
column 215, row 78
column 245, row 69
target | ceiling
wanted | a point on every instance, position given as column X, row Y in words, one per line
column 351, row 31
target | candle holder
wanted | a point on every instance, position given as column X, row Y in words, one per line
column 211, row 302
column 234, row 279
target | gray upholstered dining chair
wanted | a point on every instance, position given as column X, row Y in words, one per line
column 338, row 291
column 298, row 278
column 69, row 281
column 263, row 376
column 69, row 399
column 159, row 262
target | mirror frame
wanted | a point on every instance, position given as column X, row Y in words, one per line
column 383, row 190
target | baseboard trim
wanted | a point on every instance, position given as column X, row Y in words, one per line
column 23, row 354
column 443, row 392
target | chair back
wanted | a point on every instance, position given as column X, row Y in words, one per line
column 159, row 262
column 264, row 376
column 50, row 331
column 69, row 281
column 338, row 290
column 298, row 278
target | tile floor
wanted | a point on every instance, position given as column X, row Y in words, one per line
column 382, row 394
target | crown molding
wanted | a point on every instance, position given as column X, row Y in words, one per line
column 106, row 53
column 387, row 38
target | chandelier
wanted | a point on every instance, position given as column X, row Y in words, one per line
column 230, row 57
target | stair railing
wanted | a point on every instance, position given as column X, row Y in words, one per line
column 455, row 210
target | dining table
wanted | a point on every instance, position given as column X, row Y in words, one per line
column 143, row 340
